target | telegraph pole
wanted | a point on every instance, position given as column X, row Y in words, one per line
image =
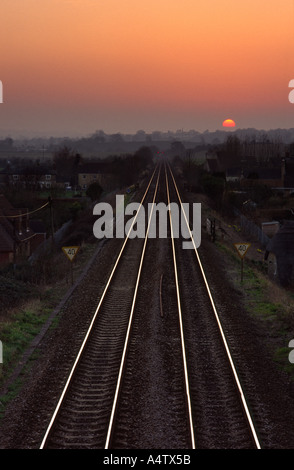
column 51, row 221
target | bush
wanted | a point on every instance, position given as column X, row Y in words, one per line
column 94, row 191
column 12, row 292
column 213, row 186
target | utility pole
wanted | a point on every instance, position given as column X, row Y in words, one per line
column 14, row 246
column 51, row 221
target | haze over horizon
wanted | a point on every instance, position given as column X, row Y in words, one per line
column 70, row 67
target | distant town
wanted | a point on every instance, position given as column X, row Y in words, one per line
column 247, row 170
column 100, row 144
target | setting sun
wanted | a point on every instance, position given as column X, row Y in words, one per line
column 229, row 123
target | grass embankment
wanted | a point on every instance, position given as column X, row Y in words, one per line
column 21, row 323
column 266, row 301
column 29, row 299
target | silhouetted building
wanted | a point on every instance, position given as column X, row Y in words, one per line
column 19, row 236
column 100, row 172
column 282, row 247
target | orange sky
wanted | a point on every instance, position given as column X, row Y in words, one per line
column 124, row 65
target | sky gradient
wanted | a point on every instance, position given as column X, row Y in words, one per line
column 75, row 66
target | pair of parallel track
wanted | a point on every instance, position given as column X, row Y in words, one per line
column 89, row 412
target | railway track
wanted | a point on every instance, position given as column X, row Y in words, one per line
column 221, row 414
column 145, row 375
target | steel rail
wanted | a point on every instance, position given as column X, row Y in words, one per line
column 243, row 399
column 51, row 423
column 122, row 364
column 187, row 387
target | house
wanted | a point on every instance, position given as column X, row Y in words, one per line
column 18, row 238
column 63, row 182
column 289, row 172
column 31, row 177
column 211, row 164
column 280, row 251
column 271, row 177
column 220, row 161
column 6, row 245
column 233, row 174
column 101, row 172
column 225, row 160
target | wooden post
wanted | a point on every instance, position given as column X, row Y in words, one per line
column 70, row 252
column 242, row 249
column 71, row 270
column 14, row 245
column 51, row 220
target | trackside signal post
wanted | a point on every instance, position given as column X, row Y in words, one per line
column 242, row 249
column 71, row 252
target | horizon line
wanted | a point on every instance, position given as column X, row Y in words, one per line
column 21, row 134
